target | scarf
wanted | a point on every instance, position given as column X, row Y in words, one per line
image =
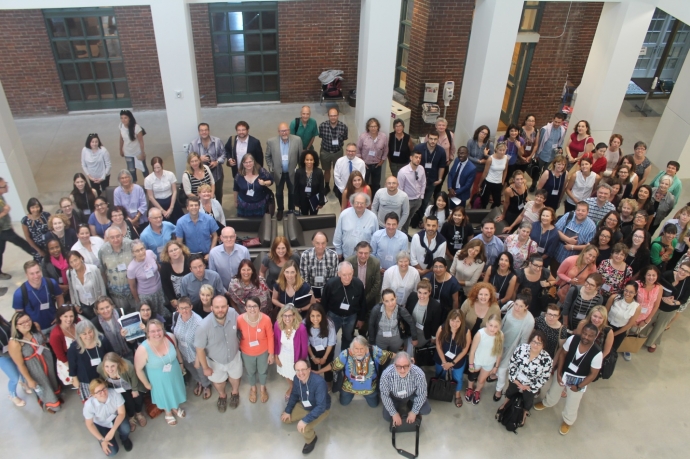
column 111, row 329
column 429, row 254
column 61, row 264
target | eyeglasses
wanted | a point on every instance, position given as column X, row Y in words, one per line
column 416, row 176
column 537, row 266
column 256, row 307
column 628, row 292
column 552, row 314
column 305, row 370
column 185, row 308
column 102, row 205
column 105, row 389
column 25, row 323
column 402, row 367
column 685, row 271
column 591, row 284
column 536, row 342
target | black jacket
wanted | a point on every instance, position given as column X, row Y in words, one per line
column 316, row 186
column 375, row 317
column 434, row 314
column 253, row 147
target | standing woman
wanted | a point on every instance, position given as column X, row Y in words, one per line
column 645, row 202
column 575, row 269
column 133, row 199
column 132, row 144
column 627, row 186
column 399, row 147
column 427, row 314
column 534, row 279
column 85, row 284
column 494, row 175
column 628, row 162
column 627, row 208
column 99, row 221
column 446, row 140
column 515, row 145
column 372, row 148
column 310, row 196
column 481, row 304
column 116, row 215
column 355, row 184
column 121, row 376
column 458, row 231
column 174, row 266
column 401, row 278
column 61, row 338
column 257, row 346
column 444, row 287
column 161, row 190
column 663, row 202
column 615, row 272
column 554, row 180
column 159, row 367
column 290, row 343
column 84, row 355
column 145, row 280
column 480, row 149
column 530, row 212
column 670, row 306
column 453, row 340
column 87, row 245
column 54, row 265
column 580, row 185
column 639, row 251
column 682, row 222
column 641, row 164
column 579, row 143
column 8, row 366
column 611, row 221
column 107, row 322
column 248, row 284
column 384, row 323
column 502, row 277
column 251, row 192
column 83, row 195
column 580, row 300
column 613, row 153
column 290, row 288
column 197, row 174
column 603, row 240
column 35, row 226
column 440, row 208
column 543, row 231
column 274, row 261
column 552, row 328
column 211, row 206
column 35, row 361
column 58, row 224
column 468, row 265
column 95, row 161
column 74, row 216
column 623, row 310
column 531, row 137
column 649, row 295
column 322, row 340
column 520, row 245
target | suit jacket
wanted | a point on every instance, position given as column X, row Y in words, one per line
column 373, row 283
column 317, row 185
column 253, row 147
column 466, row 179
column 274, row 160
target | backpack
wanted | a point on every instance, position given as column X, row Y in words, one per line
column 25, row 293
column 333, row 88
column 297, row 121
column 510, row 416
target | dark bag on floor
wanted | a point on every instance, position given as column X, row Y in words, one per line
column 405, row 427
column 442, row 389
column 608, row 366
column 510, row 416
column 270, row 203
column 424, row 356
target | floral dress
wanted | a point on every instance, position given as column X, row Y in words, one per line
column 37, row 230
column 614, row 280
column 240, row 292
column 520, row 253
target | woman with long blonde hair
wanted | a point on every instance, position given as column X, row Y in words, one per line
column 291, row 343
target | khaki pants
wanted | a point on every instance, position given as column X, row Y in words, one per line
column 298, row 413
column 572, row 401
column 658, row 325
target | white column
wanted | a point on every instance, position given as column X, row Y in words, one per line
column 615, row 49
column 378, row 45
column 494, row 30
column 14, row 166
column 174, row 42
column 672, row 137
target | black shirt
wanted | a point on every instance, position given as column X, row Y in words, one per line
column 456, row 236
column 680, row 292
column 335, row 295
column 403, row 146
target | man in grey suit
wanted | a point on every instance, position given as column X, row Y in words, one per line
column 282, row 155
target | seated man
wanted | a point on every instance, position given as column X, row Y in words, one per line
column 311, row 391
column 403, row 384
column 104, row 413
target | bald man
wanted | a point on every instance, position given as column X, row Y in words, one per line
column 282, row 156
column 305, row 127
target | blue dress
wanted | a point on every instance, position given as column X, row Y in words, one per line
column 167, row 388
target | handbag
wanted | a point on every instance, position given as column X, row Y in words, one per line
column 546, row 297
column 632, row 344
column 608, row 366
column 270, row 203
column 424, row 356
column 442, row 389
column 251, row 242
column 151, row 409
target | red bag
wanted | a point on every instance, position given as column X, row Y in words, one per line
column 253, row 242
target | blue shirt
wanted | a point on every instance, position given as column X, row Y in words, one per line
column 197, row 236
column 548, row 241
column 284, row 151
column 156, row 242
column 585, row 232
column 226, row 264
column 546, row 153
column 190, row 285
column 315, row 391
column 492, row 249
column 36, row 297
column 351, row 229
column 435, row 160
column 387, row 248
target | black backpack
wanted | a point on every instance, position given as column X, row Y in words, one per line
column 510, row 416
column 51, row 289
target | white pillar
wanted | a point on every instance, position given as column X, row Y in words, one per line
column 14, row 166
column 494, row 31
column 378, row 45
column 615, row 49
column 672, row 137
column 174, row 42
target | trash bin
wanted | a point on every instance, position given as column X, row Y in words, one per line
column 352, row 98
column 398, row 110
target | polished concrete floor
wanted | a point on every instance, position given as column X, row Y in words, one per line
column 637, row 413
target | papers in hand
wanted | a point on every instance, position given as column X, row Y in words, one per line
column 455, row 200
column 131, row 323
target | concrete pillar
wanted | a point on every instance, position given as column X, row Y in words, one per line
column 615, row 49
column 672, row 137
column 494, row 30
column 174, row 42
column 14, row 166
column 378, row 46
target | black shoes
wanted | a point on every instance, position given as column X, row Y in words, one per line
column 279, row 215
column 309, row 447
column 327, row 189
column 127, row 444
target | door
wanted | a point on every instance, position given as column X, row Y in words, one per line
column 245, row 51
column 517, row 78
column 87, row 52
column 654, row 44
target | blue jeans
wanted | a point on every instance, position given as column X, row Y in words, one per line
column 372, row 399
column 8, row 367
column 123, row 431
column 347, row 323
column 456, row 374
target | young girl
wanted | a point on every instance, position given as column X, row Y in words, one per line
column 494, row 175
column 355, row 184
column 440, row 209
column 485, row 356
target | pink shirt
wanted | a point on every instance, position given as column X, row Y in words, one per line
column 647, row 300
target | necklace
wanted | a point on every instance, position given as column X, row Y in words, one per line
column 253, row 323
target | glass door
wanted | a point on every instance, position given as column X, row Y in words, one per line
column 654, row 44
column 517, row 78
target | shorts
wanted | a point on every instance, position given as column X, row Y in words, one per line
column 221, row 372
column 328, row 158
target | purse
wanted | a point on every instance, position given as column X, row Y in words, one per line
column 251, row 242
column 608, row 366
column 442, row 389
column 424, row 356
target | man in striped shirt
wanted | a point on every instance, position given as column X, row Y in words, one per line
column 401, row 384
column 600, row 205
column 575, row 230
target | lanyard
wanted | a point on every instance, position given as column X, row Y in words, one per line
column 300, row 392
column 547, row 238
column 426, row 154
column 439, row 290
column 98, row 355
column 395, row 143
column 161, row 356
column 309, row 179
column 346, row 298
column 36, row 296
column 502, row 284
column 519, row 198
column 557, row 187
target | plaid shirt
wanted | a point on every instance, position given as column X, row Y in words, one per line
column 596, row 213
column 328, row 134
column 414, row 384
column 310, row 267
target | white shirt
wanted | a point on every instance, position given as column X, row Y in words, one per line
column 417, row 252
column 90, row 257
column 131, row 147
column 91, row 289
column 401, row 286
column 341, row 170
column 102, row 413
column 162, row 187
column 351, row 230
column 241, row 149
column 596, row 361
column 96, row 165
column 440, row 214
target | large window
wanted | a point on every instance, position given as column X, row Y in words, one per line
column 86, row 46
column 403, row 45
column 245, row 51
column 531, row 16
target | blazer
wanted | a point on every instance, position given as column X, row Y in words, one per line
column 274, row 160
column 317, row 186
column 434, row 315
column 466, row 180
column 253, row 147
column 373, row 279
column 375, row 317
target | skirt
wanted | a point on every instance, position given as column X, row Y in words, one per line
column 250, row 209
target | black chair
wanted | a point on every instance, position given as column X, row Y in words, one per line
column 300, row 230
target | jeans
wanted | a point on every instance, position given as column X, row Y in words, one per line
column 403, row 406
column 347, row 323
column 284, row 179
column 456, row 374
column 415, row 204
column 373, row 177
column 219, row 187
column 10, row 236
column 372, row 399
column 133, row 405
column 131, row 167
column 428, row 194
column 8, row 367
column 123, row 431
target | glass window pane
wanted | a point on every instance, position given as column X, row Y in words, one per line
column 92, row 28
column 109, row 26
column 222, row 64
column 57, row 27
column 403, row 59
column 253, row 63
column 68, row 72
column 219, row 21
column 406, row 36
column 255, row 84
column 403, row 80
column 121, row 90
column 106, row 90
column 73, row 93
column 268, row 20
column 85, row 72
column 113, row 48
column 79, row 48
column 237, row 43
column 235, row 21
column 75, row 27
column 253, row 42
column 271, row 63
column 251, row 21
column 101, row 70
column 89, row 91
column 238, row 64
column 96, row 48
column 271, row 83
column 240, row 84
column 270, row 42
column 63, row 49
column 410, row 9
column 223, row 84
column 220, row 43
column 529, row 18
column 117, row 69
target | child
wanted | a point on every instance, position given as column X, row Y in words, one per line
column 485, row 356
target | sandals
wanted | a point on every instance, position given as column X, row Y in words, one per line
column 207, row 393
column 179, row 412
column 171, row 420
column 17, row 401
column 264, row 395
column 497, row 398
column 490, row 379
column 458, row 399
column 26, row 388
column 197, row 389
column 222, row 404
column 252, row 395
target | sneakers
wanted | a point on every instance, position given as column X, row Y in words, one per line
column 476, row 395
column 565, row 428
column 539, row 406
column 469, row 393
column 627, row 356
column 127, row 445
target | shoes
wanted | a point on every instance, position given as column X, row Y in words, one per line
column 565, row 428
column 498, row 399
column 327, row 189
column 539, row 406
column 234, row 400
column 140, row 419
column 532, row 189
column 127, row 444
column 651, row 349
column 627, row 356
column 476, row 396
column 222, row 404
column 468, row 394
column 279, row 215
column 5, row 276
column 491, row 379
column 309, row 447
column 132, row 425
column 3, row 290
column 297, row 213
column 17, row 401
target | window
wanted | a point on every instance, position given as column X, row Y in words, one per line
column 245, row 51
column 403, row 45
column 87, row 52
column 531, row 16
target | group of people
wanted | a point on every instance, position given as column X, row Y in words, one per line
column 558, row 295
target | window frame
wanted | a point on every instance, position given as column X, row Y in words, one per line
column 402, row 46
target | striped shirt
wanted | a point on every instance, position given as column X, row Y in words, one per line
column 596, row 213
column 412, row 385
column 585, row 232
column 184, row 333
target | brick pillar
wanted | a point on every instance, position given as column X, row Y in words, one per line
column 203, row 50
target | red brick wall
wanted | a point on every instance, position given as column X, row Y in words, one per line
column 201, row 31
column 558, row 59
column 27, row 66
column 313, row 36
column 139, row 52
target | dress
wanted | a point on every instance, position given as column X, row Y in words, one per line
column 287, row 355
column 167, row 388
column 41, row 367
column 557, row 185
column 37, row 230
column 252, row 197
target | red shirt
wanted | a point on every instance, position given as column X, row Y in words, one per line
column 599, row 165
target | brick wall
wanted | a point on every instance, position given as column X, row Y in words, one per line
column 140, row 55
column 313, row 37
column 438, row 49
column 27, row 66
column 201, row 32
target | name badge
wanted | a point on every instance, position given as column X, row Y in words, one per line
column 87, row 211
column 160, row 249
column 528, row 148
column 450, row 355
column 457, row 246
column 400, row 294
column 167, row 368
column 540, row 249
column 133, row 211
column 319, row 347
column 306, row 403
column 388, row 258
column 40, row 349
column 183, row 344
column 580, row 316
column 344, row 306
column 573, row 367
column 284, row 157
column 60, row 280
column 319, row 279
column 372, row 153
column 606, row 287
column 387, row 334
column 253, row 343
column 88, row 296
column 119, row 390
column 644, row 310
column 427, row 166
column 45, row 306
column 112, row 417
column 250, row 192
column 521, row 206
column 149, row 273
column 420, row 326
column 95, row 362
column 307, row 189
column 554, row 192
column 402, row 393
column 396, row 153
column 258, row 330
column 335, row 142
column 4, row 349
column 122, row 267
column 360, row 378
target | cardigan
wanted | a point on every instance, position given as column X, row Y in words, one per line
column 376, row 314
column 129, row 376
column 434, row 314
column 58, row 343
column 471, row 316
column 301, row 341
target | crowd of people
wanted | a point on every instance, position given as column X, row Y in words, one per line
column 542, row 298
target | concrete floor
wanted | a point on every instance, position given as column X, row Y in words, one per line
column 635, row 414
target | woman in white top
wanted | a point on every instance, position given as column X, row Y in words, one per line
column 401, row 278
column 580, row 184
column 613, row 153
column 210, row 205
column 623, row 311
column 132, row 144
column 95, row 161
column 494, row 176
column 440, row 208
column 161, row 190
column 468, row 264
column 88, row 246
column 85, row 284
